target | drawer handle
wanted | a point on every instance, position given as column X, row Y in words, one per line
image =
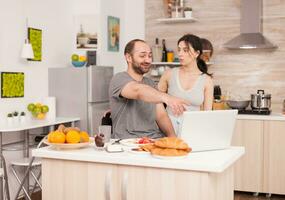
column 124, row 186
column 108, row 185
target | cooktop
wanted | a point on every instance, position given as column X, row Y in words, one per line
column 255, row 112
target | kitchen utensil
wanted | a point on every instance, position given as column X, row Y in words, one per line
column 238, row 104
column 260, row 100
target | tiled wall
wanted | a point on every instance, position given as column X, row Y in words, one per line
column 238, row 71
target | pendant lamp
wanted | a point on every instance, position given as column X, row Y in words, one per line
column 27, row 50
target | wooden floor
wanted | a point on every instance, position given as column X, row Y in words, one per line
column 238, row 196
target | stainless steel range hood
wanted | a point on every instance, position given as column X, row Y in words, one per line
column 250, row 28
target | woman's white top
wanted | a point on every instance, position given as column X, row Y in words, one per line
column 194, row 95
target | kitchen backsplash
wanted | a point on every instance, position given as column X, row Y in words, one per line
column 240, row 72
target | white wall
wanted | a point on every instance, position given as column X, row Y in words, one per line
column 56, row 19
column 132, row 25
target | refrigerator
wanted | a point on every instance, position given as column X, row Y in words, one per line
column 81, row 92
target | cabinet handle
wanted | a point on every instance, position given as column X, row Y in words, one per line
column 124, row 186
column 108, row 185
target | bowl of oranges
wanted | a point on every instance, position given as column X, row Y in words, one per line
column 77, row 60
column 67, row 138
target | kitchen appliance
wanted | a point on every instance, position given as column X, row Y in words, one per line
column 238, row 104
column 260, row 100
column 250, row 36
column 81, row 92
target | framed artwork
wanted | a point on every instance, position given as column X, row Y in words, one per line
column 12, row 84
column 113, row 33
column 86, row 33
column 35, row 38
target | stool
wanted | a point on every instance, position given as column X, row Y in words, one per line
column 3, row 176
column 31, row 165
column 30, row 169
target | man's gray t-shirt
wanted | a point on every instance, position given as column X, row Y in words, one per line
column 131, row 118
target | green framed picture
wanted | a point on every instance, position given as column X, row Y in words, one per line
column 12, row 84
column 35, row 38
column 113, row 33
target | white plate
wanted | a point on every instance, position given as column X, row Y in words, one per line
column 138, row 152
column 67, row 146
column 131, row 142
column 169, row 157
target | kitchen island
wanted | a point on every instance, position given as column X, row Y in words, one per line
column 93, row 174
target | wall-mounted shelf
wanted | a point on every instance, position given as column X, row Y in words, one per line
column 177, row 20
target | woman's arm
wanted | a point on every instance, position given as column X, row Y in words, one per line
column 208, row 94
column 163, row 81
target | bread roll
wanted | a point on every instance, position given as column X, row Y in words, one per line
column 171, row 143
column 168, row 152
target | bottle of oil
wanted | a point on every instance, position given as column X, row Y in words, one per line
column 156, row 51
column 164, row 52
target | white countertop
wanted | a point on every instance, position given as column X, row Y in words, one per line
column 209, row 161
column 30, row 124
column 272, row 116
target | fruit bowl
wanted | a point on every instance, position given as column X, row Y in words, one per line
column 78, row 63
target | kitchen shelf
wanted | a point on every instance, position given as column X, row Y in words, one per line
column 177, row 20
column 166, row 63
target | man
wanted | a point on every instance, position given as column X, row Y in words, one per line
column 136, row 106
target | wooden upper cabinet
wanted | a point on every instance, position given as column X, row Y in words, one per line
column 274, row 157
column 249, row 169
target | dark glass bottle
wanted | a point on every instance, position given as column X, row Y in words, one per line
column 164, row 52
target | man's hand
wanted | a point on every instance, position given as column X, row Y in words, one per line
column 177, row 105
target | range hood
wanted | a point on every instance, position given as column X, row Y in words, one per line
column 250, row 28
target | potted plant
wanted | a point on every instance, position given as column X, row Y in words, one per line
column 188, row 12
column 22, row 117
column 16, row 116
column 10, row 118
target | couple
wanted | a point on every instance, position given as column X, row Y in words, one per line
column 137, row 106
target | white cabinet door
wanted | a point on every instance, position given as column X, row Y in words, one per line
column 249, row 169
column 274, row 157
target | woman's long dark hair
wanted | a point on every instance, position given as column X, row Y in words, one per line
column 196, row 43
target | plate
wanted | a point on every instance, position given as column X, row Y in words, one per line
column 169, row 157
column 67, row 146
column 138, row 152
column 131, row 142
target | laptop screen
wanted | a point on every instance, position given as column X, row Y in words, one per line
column 208, row 130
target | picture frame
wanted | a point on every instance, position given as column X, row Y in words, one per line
column 113, row 34
column 12, row 84
column 35, row 38
column 86, row 32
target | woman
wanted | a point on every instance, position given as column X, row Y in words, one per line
column 191, row 81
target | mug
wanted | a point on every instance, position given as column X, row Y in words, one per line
column 106, row 131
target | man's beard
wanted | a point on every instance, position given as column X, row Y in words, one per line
column 139, row 69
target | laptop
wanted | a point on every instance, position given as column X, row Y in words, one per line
column 208, row 130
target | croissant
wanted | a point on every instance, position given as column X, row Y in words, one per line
column 168, row 152
column 147, row 147
column 172, row 143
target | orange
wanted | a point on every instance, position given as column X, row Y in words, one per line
column 56, row 137
column 50, row 136
column 72, row 137
column 84, row 136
